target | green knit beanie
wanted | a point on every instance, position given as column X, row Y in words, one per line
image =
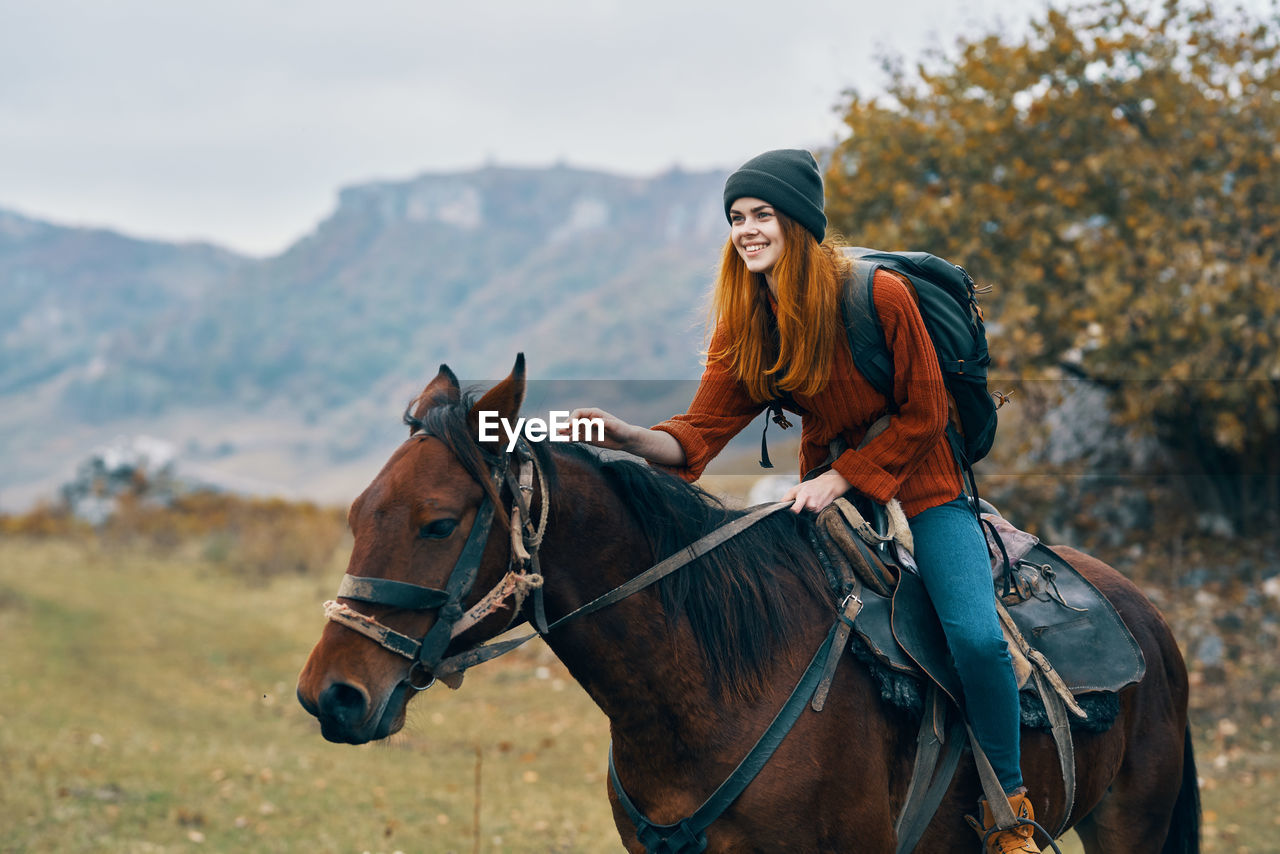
column 789, row 180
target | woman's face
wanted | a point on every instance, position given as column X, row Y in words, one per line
column 756, row 233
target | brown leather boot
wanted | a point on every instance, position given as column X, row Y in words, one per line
column 1017, row 840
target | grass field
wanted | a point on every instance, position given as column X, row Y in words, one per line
column 146, row 705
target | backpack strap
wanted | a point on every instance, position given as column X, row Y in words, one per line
column 863, row 329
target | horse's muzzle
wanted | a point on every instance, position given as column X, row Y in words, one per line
column 347, row 717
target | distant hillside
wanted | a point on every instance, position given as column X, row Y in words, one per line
column 466, row 268
column 66, row 292
column 289, row 371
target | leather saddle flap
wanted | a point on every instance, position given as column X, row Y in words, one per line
column 903, row 633
column 1068, row 620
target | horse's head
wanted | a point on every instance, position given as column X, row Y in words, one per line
column 422, row 542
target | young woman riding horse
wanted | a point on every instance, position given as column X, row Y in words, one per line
column 778, row 332
column 695, row 670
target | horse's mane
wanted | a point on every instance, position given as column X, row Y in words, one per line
column 741, row 609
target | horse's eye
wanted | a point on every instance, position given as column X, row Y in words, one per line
column 438, row 529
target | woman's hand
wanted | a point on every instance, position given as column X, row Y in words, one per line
column 653, row 445
column 618, row 434
column 817, row 493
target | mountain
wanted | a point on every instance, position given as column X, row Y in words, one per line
column 67, row 291
column 290, row 372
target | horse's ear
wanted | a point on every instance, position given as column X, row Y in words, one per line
column 443, row 389
column 504, row 400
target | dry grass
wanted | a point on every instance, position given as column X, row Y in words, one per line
column 149, row 707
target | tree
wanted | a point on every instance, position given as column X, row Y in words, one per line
column 1114, row 174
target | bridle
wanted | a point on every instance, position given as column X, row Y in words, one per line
column 522, row 578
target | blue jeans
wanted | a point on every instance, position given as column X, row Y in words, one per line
column 951, row 553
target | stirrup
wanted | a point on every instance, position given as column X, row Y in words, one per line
column 1019, row 839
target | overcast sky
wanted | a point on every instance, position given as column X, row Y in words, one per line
column 236, row 121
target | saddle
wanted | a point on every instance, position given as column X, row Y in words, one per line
column 1056, row 620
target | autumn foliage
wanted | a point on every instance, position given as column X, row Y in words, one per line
column 1113, row 173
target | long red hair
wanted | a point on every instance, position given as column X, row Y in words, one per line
column 794, row 352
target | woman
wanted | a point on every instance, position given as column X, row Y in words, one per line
column 778, row 332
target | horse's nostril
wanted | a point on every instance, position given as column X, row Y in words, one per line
column 344, row 703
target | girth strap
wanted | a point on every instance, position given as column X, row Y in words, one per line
column 1056, row 712
column 688, row 836
column 938, row 747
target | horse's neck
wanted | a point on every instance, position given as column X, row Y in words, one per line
column 644, row 671
column 624, row 655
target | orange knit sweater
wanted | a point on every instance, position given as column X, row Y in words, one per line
column 911, row 460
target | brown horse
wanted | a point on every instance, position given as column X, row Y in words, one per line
column 692, row 670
